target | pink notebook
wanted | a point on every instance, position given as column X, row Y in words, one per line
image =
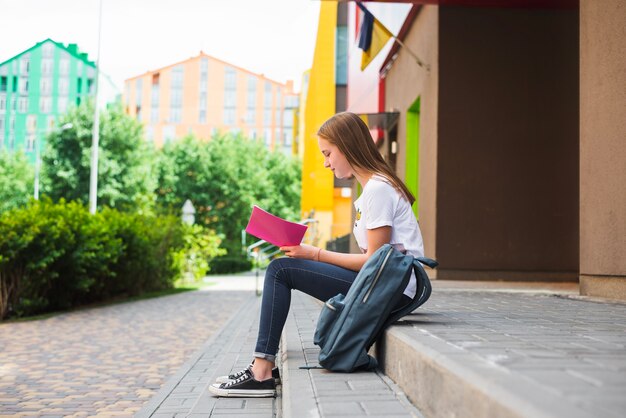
column 273, row 229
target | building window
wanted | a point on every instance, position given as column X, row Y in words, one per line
column 3, row 102
column 267, row 97
column 150, row 133
column 169, row 133
column 3, row 83
column 230, row 78
column 45, row 86
column 175, row 115
column 45, row 104
column 138, row 91
column 251, row 110
column 287, row 135
column 341, row 56
column 24, row 66
column 268, row 137
column 204, row 82
column 46, row 66
column 30, row 143
column 267, row 117
column 23, row 86
column 62, row 104
column 230, row 96
column 22, row 104
column 229, row 116
column 31, row 123
column 64, row 86
column 154, row 96
column 64, row 66
column 154, row 99
column 251, row 116
column 176, row 94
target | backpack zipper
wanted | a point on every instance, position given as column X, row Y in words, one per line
column 380, row 270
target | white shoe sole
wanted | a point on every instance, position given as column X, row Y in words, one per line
column 241, row 393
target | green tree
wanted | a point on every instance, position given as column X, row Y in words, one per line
column 124, row 170
column 16, row 180
column 223, row 178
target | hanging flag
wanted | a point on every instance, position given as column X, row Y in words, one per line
column 372, row 37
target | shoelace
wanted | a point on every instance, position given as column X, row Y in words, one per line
column 240, row 379
column 240, row 373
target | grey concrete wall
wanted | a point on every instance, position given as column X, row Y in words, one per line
column 603, row 148
column 507, row 157
column 405, row 82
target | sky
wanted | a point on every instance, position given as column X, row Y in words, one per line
column 271, row 37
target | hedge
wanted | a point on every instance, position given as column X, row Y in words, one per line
column 55, row 256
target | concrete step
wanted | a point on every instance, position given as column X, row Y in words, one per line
column 473, row 353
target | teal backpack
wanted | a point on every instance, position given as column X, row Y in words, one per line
column 349, row 325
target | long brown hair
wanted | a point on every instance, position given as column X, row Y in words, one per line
column 352, row 136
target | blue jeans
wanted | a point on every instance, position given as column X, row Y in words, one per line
column 320, row 280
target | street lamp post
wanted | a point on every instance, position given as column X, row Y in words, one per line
column 93, row 179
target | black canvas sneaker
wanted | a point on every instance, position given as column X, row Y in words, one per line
column 235, row 376
column 245, row 386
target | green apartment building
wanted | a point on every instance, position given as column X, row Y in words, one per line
column 38, row 85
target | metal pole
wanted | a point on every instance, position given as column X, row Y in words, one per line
column 37, row 164
column 93, row 180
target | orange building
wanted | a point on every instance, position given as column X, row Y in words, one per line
column 204, row 95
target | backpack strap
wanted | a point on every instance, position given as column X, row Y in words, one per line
column 422, row 293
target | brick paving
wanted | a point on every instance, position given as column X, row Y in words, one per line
column 105, row 361
column 320, row 393
column 186, row 393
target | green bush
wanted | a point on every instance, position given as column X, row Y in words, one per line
column 57, row 256
column 146, row 262
column 230, row 264
column 52, row 256
column 200, row 248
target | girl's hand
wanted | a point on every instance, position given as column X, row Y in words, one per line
column 305, row 251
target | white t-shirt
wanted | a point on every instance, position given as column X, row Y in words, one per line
column 381, row 204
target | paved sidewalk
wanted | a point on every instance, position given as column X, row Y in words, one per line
column 106, row 361
column 320, row 393
column 186, row 393
column 511, row 353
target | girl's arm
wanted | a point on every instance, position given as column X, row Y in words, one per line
column 375, row 239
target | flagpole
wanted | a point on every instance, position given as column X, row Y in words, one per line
column 413, row 54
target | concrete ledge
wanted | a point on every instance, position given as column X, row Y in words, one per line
column 501, row 355
column 612, row 287
column 436, row 379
